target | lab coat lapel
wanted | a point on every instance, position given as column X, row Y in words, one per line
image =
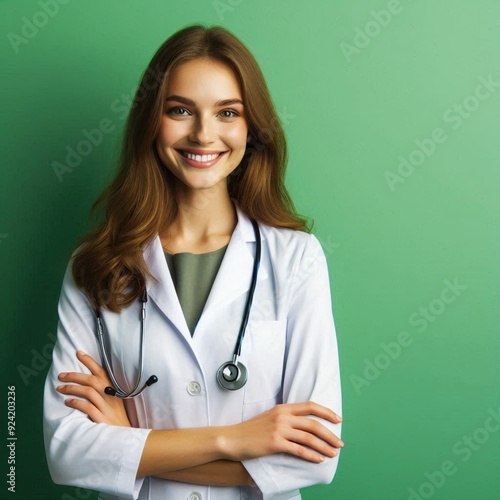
column 163, row 292
column 235, row 273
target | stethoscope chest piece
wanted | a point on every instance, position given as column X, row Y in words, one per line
column 232, row 376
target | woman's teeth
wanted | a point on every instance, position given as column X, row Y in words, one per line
column 202, row 158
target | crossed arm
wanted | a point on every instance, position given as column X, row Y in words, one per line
column 208, row 455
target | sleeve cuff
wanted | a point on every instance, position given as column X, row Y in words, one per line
column 269, row 488
column 127, row 476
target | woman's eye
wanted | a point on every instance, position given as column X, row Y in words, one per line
column 178, row 111
column 228, row 113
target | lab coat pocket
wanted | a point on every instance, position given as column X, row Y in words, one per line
column 266, row 352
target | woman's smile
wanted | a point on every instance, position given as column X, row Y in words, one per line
column 199, row 158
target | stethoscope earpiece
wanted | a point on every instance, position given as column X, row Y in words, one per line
column 110, row 391
column 232, row 376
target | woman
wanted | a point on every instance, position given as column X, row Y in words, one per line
column 203, row 157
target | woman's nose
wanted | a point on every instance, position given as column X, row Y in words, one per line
column 203, row 131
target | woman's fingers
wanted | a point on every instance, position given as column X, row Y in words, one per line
column 312, row 408
column 88, row 408
column 94, row 367
column 317, row 429
column 92, row 404
column 80, row 378
column 314, row 446
column 308, row 438
column 82, row 391
column 300, row 415
column 307, row 448
column 99, row 379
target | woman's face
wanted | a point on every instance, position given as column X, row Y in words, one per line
column 203, row 132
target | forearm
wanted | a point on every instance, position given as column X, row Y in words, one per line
column 166, row 451
column 217, row 473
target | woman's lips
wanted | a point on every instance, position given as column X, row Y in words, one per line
column 199, row 159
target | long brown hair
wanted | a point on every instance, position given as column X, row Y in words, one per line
column 139, row 203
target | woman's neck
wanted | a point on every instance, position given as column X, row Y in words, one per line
column 205, row 222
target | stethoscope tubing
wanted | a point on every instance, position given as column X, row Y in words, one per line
column 117, row 390
column 251, row 293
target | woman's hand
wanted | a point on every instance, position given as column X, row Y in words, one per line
column 286, row 428
column 98, row 406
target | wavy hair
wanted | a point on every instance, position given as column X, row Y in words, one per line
column 139, row 202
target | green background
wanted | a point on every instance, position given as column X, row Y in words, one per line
column 352, row 104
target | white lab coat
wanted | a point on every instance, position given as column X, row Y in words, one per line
column 290, row 351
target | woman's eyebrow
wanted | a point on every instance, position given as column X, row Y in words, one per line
column 229, row 102
column 190, row 102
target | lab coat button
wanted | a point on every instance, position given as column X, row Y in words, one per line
column 194, row 389
column 195, row 496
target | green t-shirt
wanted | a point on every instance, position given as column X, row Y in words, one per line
column 193, row 276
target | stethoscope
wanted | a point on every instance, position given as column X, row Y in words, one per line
column 231, row 375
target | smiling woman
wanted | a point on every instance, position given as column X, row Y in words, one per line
column 201, row 273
